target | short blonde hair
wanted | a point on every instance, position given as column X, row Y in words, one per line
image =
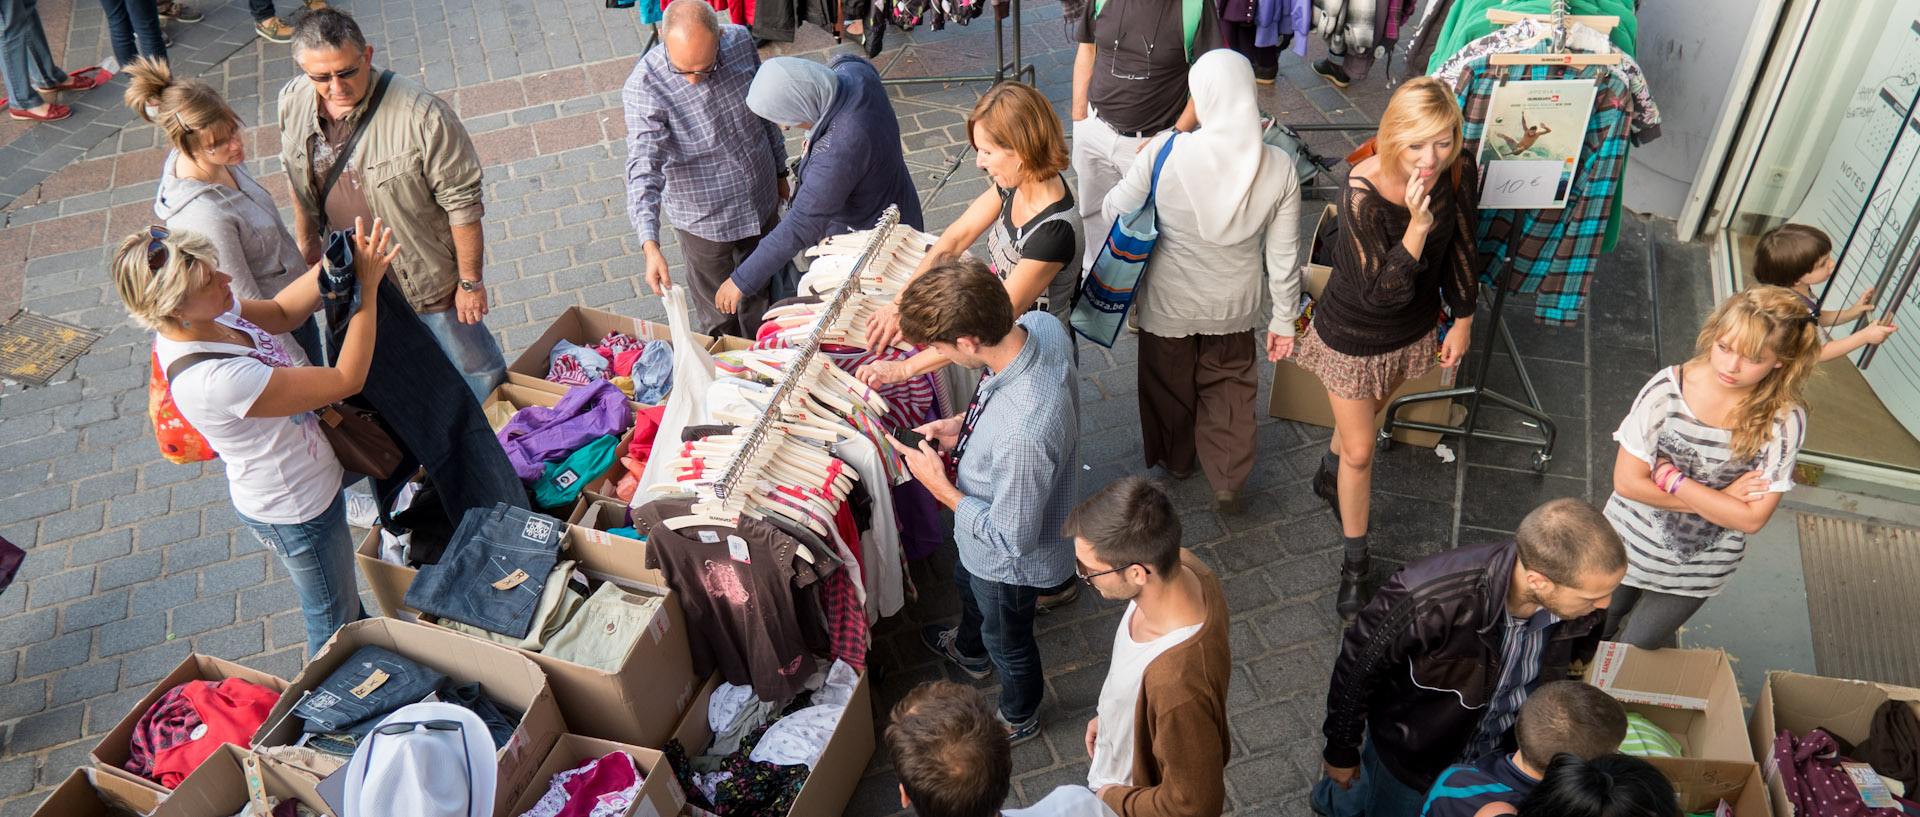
column 152, row 296
column 1421, row 109
column 190, row 112
column 1019, row 118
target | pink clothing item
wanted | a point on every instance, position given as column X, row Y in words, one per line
column 602, row 787
column 623, row 362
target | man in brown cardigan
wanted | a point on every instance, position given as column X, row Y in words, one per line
column 1159, row 742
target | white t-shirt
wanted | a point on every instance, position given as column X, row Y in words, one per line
column 1113, row 748
column 280, row 470
column 1066, row 801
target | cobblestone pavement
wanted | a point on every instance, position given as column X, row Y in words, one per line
column 133, row 561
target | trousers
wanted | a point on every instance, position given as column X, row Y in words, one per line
column 997, row 619
column 130, row 19
column 709, row 264
column 1100, row 158
column 1655, row 617
column 1197, row 402
column 1387, row 796
column 318, row 555
column 493, row 572
column 472, row 349
column 1239, row 37
column 28, row 60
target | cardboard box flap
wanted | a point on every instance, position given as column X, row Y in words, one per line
column 77, row 797
column 1681, row 679
column 219, row 788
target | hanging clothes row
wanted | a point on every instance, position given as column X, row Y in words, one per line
column 777, row 523
column 1555, row 252
column 1354, row 28
column 1449, row 25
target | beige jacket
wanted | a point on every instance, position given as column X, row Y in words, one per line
column 420, row 169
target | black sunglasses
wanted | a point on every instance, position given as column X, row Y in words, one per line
column 392, row 729
column 157, row 253
column 1080, row 570
column 708, row 71
column 342, row 74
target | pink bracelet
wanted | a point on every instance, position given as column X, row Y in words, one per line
column 1674, row 480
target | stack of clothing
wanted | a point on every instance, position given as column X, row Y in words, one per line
column 557, row 451
column 502, row 579
column 1814, row 773
column 599, row 787
column 762, row 751
column 337, row 714
column 641, row 369
column 188, row 723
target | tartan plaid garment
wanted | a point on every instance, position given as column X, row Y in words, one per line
column 1555, row 252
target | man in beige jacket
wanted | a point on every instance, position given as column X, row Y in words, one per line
column 414, row 166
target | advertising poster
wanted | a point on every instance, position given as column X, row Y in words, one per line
column 1532, row 143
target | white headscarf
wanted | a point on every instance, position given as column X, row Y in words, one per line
column 424, row 773
column 790, row 91
column 1224, row 170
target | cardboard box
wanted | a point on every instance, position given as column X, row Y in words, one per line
column 660, row 794
column 113, row 751
column 728, row 343
column 835, row 774
column 584, row 326
column 219, row 788
column 505, row 675
column 598, row 513
column 640, row 702
column 92, row 793
column 388, row 581
column 519, row 397
column 1802, row 703
column 1299, row 395
column 1692, row 695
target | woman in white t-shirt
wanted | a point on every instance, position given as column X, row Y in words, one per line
column 245, row 394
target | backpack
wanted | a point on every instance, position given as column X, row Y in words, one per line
column 1189, row 19
column 180, row 442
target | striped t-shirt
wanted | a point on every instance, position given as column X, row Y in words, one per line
column 1683, row 553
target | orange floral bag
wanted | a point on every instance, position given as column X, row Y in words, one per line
column 179, row 441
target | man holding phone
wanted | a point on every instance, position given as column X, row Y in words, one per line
column 1007, row 467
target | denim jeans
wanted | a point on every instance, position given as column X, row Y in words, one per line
column 472, row 349
column 262, row 10
column 1388, row 797
column 997, row 619
column 493, row 571
column 318, row 554
column 128, row 18
column 28, row 60
column 340, row 704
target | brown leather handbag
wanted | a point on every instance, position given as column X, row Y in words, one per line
column 358, row 441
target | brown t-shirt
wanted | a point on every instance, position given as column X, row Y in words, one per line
column 1152, row 44
column 747, row 618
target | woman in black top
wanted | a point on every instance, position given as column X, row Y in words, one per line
column 1405, row 248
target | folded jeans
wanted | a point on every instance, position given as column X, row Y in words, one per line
column 493, row 571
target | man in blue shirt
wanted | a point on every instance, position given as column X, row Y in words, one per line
column 1561, row 717
column 1007, row 467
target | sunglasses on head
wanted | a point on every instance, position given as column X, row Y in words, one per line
column 157, row 253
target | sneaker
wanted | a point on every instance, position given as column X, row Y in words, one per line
column 1046, row 604
column 1265, row 75
column 362, row 511
column 273, row 30
column 1333, row 72
column 941, row 642
column 173, row 10
column 1018, row 733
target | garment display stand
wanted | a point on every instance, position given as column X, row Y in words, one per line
column 1003, row 70
column 1479, row 389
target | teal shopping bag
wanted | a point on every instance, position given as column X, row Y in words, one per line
column 1107, row 292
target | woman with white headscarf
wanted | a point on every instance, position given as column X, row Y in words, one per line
column 1228, row 210
column 850, row 169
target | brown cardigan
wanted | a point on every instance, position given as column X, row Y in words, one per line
column 1180, row 742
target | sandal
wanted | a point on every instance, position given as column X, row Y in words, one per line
column 85, row 79
column 54, row 113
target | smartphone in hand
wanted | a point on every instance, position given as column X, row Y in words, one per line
column 911, row 439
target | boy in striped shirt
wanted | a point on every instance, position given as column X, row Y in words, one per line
column 1559, row 717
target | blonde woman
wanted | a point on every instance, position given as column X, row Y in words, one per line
column 1405, row 250
column 1705, row 454
column 242, row 390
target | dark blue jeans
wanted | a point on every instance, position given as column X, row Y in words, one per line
column 127, row 19
column 491, row 545
column 1386, row 795
column 997, row 619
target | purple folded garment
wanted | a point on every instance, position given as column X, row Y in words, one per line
column 536, row 436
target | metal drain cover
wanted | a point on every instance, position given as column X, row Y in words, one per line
column 34, row 348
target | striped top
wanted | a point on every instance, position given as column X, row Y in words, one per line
column 1683, row 553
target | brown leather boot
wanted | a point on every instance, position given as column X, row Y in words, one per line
column 1353, row 588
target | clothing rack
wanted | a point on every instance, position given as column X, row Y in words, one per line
column 1479, row 390
column 798, row 370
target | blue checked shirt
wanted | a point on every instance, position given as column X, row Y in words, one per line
column 1519, row 667
column 714, row 158
column 1555, row 252
column 1020, row 470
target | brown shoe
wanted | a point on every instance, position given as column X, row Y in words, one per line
column 273, row 30
column 1227, row 502
column 173, row 10
column 1046, row 604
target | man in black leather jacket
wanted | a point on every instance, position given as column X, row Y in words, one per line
column 1458, row 638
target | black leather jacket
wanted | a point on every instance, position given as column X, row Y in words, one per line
column 1419, row 664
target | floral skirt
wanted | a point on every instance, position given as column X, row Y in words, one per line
column 1370, row 377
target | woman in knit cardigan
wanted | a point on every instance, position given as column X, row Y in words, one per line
column 1228, row 210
